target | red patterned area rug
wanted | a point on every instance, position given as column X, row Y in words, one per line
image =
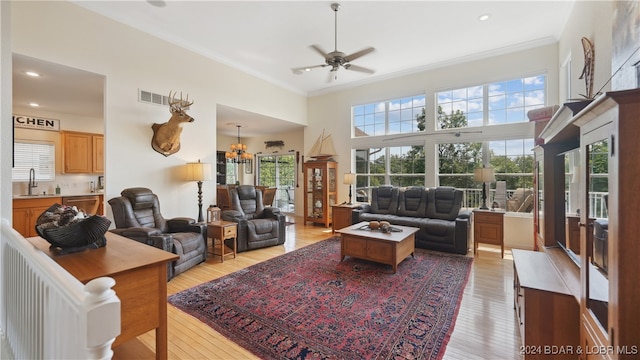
column 307, row 304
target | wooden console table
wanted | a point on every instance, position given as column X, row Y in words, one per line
column 140, row 272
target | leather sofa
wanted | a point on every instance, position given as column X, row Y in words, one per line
column 137, row 216
column 258, row 225
column 444, row 225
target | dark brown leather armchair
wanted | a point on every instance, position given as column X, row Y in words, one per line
column 258, row 226
column 137, row 216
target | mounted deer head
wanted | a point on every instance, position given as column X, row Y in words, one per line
column 166, row 137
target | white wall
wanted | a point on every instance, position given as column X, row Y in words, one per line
column 6, row 127
column 591, row 19
column 69, row 35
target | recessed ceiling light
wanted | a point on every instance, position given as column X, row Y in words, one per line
column 32, row 73
column 483, row 17
column 33, row 104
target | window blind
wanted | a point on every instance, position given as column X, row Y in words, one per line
column 39, row 156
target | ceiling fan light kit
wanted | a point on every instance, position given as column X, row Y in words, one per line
column 337, row 59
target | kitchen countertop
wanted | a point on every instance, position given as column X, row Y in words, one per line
column 41, row 196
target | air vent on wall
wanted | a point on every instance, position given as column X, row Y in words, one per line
column 153, row 98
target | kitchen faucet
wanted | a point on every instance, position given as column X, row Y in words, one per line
column 32, row 180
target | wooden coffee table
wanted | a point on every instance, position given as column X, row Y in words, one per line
column 385, row 248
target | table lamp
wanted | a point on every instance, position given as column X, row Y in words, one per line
column 349, row 179
column 484, row 175
column 198, row 172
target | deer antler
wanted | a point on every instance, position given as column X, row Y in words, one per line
column 177, row 105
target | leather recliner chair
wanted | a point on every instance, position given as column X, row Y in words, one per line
column 258, row 226
column 137, row 216
column 601, row 241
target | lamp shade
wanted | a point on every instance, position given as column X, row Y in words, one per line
column 198, row 171
column 484, row 175
column 349, row 179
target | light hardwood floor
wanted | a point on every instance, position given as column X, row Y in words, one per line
column 485, row 328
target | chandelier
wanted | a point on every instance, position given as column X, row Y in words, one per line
column 238, row 153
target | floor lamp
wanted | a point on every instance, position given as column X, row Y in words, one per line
column 199, row 172
column 484, row 175
column 349, row 179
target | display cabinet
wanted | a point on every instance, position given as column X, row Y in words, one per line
column 587, row 173
column 221, row 168
column 609, row 134
column 320, row 190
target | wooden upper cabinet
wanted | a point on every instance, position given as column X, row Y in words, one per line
column 98, row 153
column 82, row 153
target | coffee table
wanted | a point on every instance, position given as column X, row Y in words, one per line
column 385, row 248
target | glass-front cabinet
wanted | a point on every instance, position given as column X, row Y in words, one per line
column 587, row 218
column 321, row 190
column 609, row 226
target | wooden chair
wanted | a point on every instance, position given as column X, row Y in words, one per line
column 224, row 200
column 268, row 195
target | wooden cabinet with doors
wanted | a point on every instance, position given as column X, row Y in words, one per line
column 82, row 153
column 221, row 168
column 546, row 310
column 342, row 216
column 26, row 212
column 609, row 134
column 320, row 190
column 603, row 136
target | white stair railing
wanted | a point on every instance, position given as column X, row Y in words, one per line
column 46, row 313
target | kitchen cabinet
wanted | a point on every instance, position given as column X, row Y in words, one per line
column 82, row 153
column 26, row 212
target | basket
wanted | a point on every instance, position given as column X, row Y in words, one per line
column 72, row 236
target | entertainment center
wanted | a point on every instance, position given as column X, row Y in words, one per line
column 586, row 168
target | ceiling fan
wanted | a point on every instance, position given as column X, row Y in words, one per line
column 336, row 59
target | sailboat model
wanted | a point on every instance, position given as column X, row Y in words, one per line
column 323, row 148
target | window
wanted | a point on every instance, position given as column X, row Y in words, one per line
column 512, row 161
column 405, row 167
column 33, row 155
column 467, row 101
column 371, row 170
column 396, row 116
column 506, row 102
column 231, row 173
column 456, row 163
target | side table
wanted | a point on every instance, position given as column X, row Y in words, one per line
column 341, row 216
column 488, row 228
column 219, row 232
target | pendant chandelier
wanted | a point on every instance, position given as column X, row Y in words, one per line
column 238, row 153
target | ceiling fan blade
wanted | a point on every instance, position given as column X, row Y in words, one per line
column 358, row 68
column 303, row 69
column 358, row 54
column 320, row 51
